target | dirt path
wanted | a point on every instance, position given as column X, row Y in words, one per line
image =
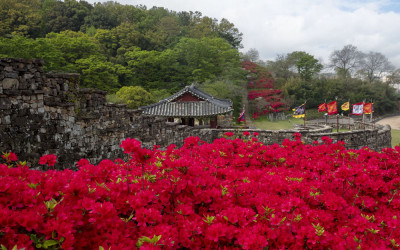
column 394, row 122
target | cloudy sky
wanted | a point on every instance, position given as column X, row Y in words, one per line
column 317, row 27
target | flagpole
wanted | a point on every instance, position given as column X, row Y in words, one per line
column 245, row 124
column 363, row 115
column 305, row 101
column 372, row 117
column 326, row 114
column 349, row 114
column 337, row 117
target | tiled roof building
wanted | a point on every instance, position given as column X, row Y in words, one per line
column 190, row 103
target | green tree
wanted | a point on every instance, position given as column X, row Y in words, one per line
column 283, row 67
column 134, row 96
column 205, row 58
column 23, row 47
column 230, row 33
column 108, row 42
column 191, row 60
column 145, row 66
column 317, row 91
column 159, row 94
column 152, row 18
column 103, row 16
column 166, row 32
column 203, row 27
column 58, row 16
column 20, row 17
column 73, row 45
column 116, row 42
column 97, row 72
column 307, row 66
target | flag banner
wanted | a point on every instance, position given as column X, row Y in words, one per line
column 358, row 108
column 322, row 107
column 242, row 116
column 345, row 106
column 332, row 108
column 299, row 112
column 368, row 108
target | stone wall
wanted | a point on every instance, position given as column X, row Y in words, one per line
column 48, row 113
column 42, row 114
column 375, row 137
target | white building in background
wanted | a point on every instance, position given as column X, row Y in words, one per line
column 385, row 78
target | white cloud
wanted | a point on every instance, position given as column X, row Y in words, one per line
column 317, row 27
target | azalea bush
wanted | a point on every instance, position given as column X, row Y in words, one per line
column 263, row 96
column 233, row 193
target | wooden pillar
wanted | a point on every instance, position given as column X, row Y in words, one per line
column 213, row 122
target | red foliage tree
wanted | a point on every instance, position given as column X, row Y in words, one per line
column 263, row 94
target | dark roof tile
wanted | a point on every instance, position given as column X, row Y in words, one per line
column 209, row 106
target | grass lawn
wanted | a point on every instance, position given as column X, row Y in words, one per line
column 264, row 123
column 286, row 124
column 395, row 137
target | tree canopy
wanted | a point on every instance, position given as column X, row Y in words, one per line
column 358, row 78
column 114, row 45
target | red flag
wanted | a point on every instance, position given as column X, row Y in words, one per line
column 242, row 116
column 332, row 108
column 322, row 107
column 367, row 109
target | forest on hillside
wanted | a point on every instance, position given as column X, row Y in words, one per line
column 145, row 54
column 151, row 52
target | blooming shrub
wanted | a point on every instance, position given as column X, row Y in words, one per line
column 229, row 194
column 50, row 160
column 262, row 88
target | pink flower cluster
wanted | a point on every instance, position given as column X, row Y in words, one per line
column 266, row 93
column 50, row 160
column 262, row 83
column 229, row 194
column 9, row 156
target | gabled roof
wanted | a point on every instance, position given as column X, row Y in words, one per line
column 208, row 106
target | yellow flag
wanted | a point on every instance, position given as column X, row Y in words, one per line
column 300, row 111
column 345, row 106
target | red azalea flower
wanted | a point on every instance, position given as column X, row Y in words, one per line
column 50, row 160
column 10, row 156
column 297, row 136
column 229, row 134
column 82, row 162
column 133, row 147
column 233, row 194
column 130, row 145
column 326, row 140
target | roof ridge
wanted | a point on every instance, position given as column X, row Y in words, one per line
column 192, row 89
